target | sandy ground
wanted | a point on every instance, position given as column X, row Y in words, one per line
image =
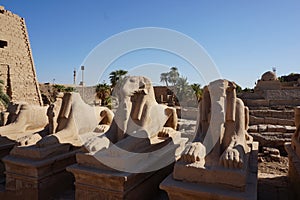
column 273, row 180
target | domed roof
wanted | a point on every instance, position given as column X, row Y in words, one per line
column 269, row 76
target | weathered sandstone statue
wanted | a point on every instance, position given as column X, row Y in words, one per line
column 136, row 153
column 221, row 152
column 26, row 120
column 21, row 121
column 69, row 117
column 296, row 136
column 138, row 114
column 222, row 128
column 293, row 150
column 35, row 170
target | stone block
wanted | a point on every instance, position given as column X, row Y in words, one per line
column 294, row 169
column 214, row 190
column 93, row 183
column 38, row 178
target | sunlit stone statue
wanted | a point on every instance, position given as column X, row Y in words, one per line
column 24, row 120
column 138, row 115
column 222, row 131
column 296, row 135
column 137, row 151
column 221, row 152
column 69, row 117
column 21, row 121
column 36, row 169
column 293, row 150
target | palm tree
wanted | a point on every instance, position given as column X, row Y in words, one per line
column 115, row 76
column 173, row 75
column 164, row 78
column 103, row 92
column 183, row 90
column 4, row 98
column 198, row 91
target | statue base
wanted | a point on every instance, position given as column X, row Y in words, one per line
column 95, row 180
column 293, row 151
column 6, row 146
column 93, row 183
column 212, row 183
column 37, row 176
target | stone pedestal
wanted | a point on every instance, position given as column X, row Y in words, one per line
column 294, row 166
column 213, row 184
column 95, row 180
column 6, row 146
column 39, row 173
column 93, row 183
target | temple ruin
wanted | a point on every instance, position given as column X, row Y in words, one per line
column 17, row 69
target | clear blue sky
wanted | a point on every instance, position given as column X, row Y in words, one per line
column 244, row 38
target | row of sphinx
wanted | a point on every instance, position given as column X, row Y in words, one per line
column 131, row 152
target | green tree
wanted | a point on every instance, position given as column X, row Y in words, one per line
column 198, row 91
column 70, row 89
column 103, row 92
column 4, row 98
column 164, row 78
column 183, row 89
column 62, row 88
column 59, row 88
column 238, row 89
column 173, row 75
column 115, row 76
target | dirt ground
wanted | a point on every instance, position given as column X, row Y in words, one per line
column 273, row 180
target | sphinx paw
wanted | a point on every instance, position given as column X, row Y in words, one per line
column 165, row 132
column 232, row 158
column 194, row 152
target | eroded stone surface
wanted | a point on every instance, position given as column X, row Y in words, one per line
column 17, row 68
column 140, row 147
column 222, row 156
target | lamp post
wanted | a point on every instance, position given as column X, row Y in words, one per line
column 74, row 77
column 82, row 75
column 82, row 80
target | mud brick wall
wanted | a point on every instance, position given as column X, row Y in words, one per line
column 16, row 63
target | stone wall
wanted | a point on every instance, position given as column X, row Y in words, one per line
column 163, row 93
column 16, row 63
column 290, row 94
column 88, row 94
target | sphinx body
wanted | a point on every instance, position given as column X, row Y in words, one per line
column 69, row 118
column 138, row 116
column 23, row 121
column 296, row 136
column 138, row 149
column 221, row 163
column 222, row 128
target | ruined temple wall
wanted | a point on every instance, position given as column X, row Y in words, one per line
column 16, row 63
column 290, row 94
column 88, row 94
